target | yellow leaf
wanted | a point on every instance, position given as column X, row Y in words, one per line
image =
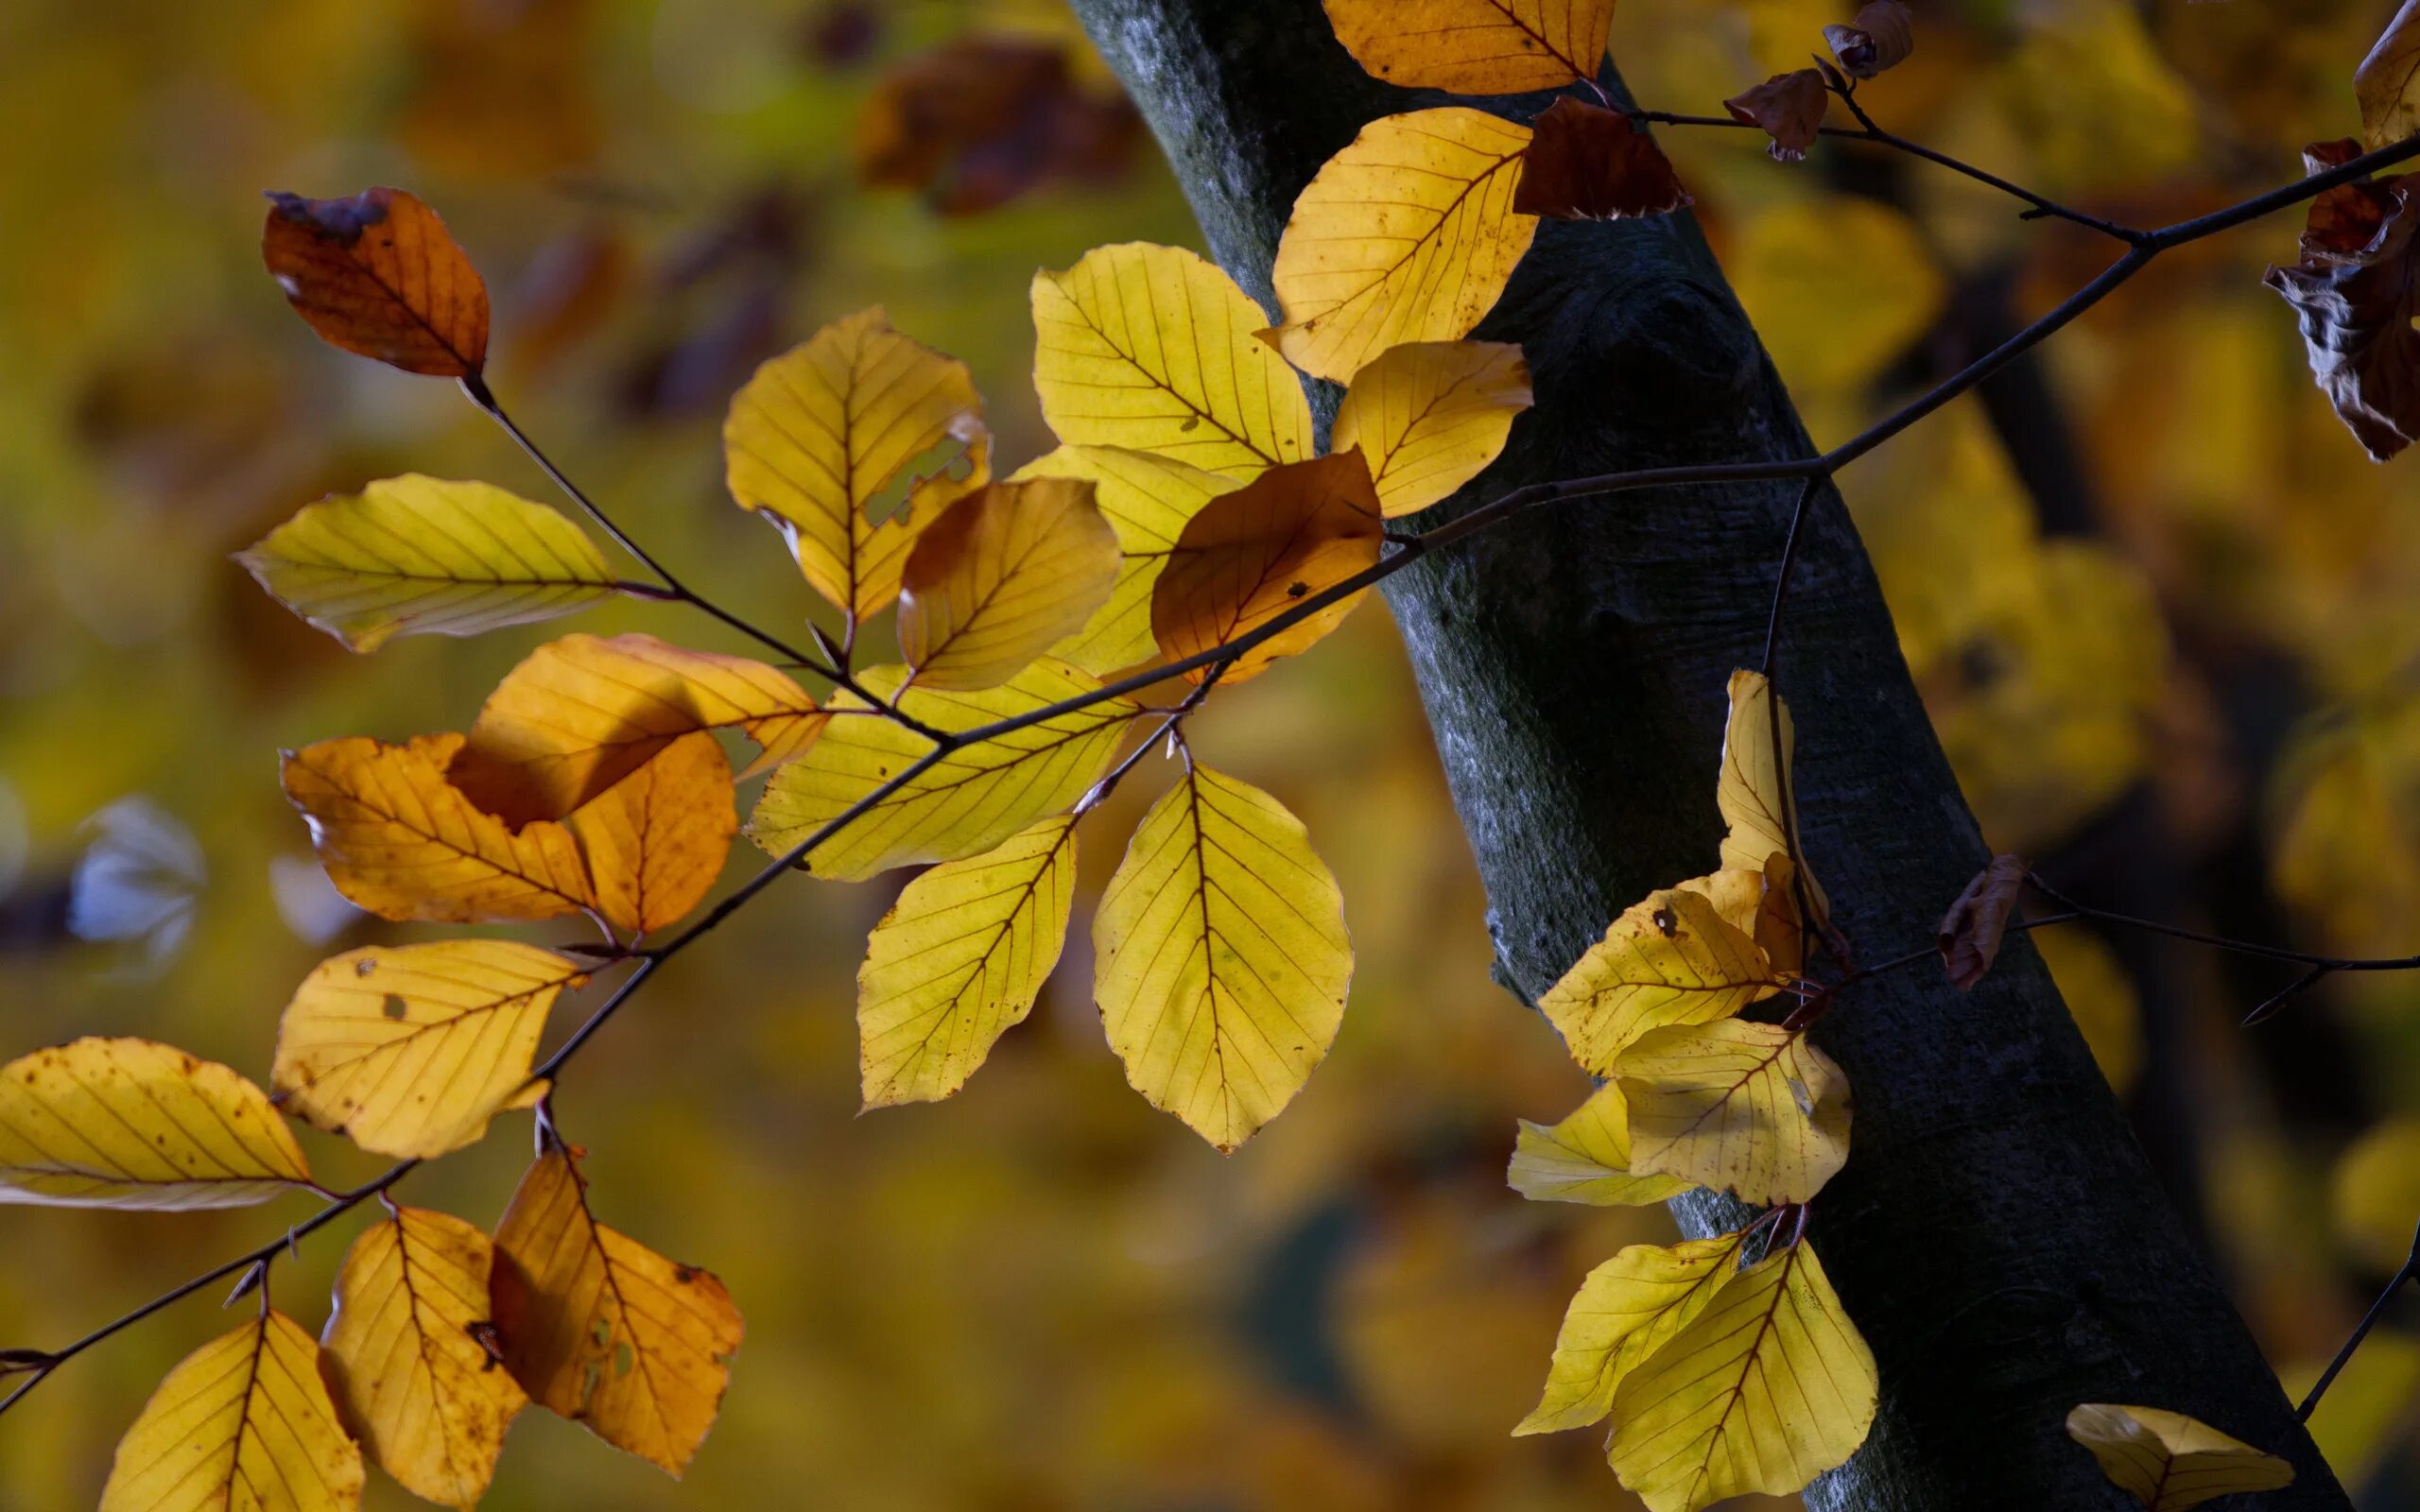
column 133, row 1123
column 656, row 841
column 1585, row 1158
column 2388, row 81
column 419, row 555
column 1002, row 576
column 1408, row 234
column 1430, row 416
column 828, row 425
column 1221, row 957
column 1750, row 789
column 1760, row 904
column 1768, row 1387
column 604, row 1330
column 2167, row 1461
column 1475, row 47
column 958, row 961
column 1252, row 554
column 399, row 840
column 1147, row 500
column 582, row 713
column 1151, row 347
column 970, row 800
column 1671, row 959
column 1626, row 1309
column 243, row 1422
column 1749, row 1108
column 402, row 1354
column 2375, row 1193
column 409, row 1050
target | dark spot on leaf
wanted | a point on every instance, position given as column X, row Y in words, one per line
column 1666, row 922
column 394, row 1005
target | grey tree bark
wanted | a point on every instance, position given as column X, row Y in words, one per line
column 1998, row 1234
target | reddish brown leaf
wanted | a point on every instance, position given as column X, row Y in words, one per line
column 2354, row 292
column 377, row 274
column 1970, row 934
column 982, row 120
column 1585, row 163
column 1882, row 37
column 1788, row 107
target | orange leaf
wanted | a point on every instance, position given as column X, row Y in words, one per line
column 1970, row 933
column 656, row 841
column 378, row 275
column 1251, row 555
column 1586, row 163
column 1002, row 576
column 1475, row 47
column 1788, row 107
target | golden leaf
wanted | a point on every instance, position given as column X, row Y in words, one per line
column 2167, row 1461
column 1753, row 791
column 1431, row 416
column 1760, row 904
column 602, row 1329
column 1252, row 554
column 1767, row 1387
column 409, row 1050
column 656, row 841
column 419, row 555
column 1147, row 500
column 1749, row 1108
column 2387, row 83
column 1585, row 1158
column 972, row 798
column 1222, row 957
column 1671, row 959
column 1151, row 347
column 1001, row 577
column 1626, row 1310
column 133, row 1123
column 397, row 839
column 242, row 1422
column 1408, row 234
column 402, row 1354
column 828, row 425
column 1475, row 47
column 378, row 274
column 582, row 713
column 958, row 961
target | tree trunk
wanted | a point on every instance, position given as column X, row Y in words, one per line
column 1996, row 1234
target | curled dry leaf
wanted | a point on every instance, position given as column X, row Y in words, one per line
column 377, row 274
column 1475, row 47
column 2354, row 293
column 1788, row 108
column 1586, row 163
column 1970, row 933
column 1003, row 576
column 979, row 121
column 244, row 1421
column 135, row 1123
column 2387, row 83
column 1254, row 553
column 1882, row 37
column 2170, row 1462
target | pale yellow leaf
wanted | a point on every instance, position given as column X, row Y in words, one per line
column 419, row 555
column 2167, row 1461
column 1002, row 576
column 1671, row 959
column 602, row 1329
column 2387, row 83
column 1626, row 1309
column 1749, row 1108
column 972, row 798
column 1767, row 1387
column 1475, row 47
column 409, row 1050
column 1586, row 1158
column 1152, row 348
column 402, row 1356
column 1408, row 234
column 243, row 1424
column 1760, row 904
column 1753, row 790
column 1430, row 416
column 1221, row 957
column 823, row 430
column 958, row 961
column 1147, row 500
column 656, row 841
column 134, row 1123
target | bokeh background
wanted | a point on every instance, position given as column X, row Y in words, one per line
column 2164, row 613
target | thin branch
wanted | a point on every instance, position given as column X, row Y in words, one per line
column 2240, row 947
column 2410, row 1272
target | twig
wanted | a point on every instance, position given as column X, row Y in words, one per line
column 2410, row 1272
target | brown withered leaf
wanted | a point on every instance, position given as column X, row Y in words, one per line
column 1882, row 37
column 2354, row 292
column 1970, row 934
column 2388, row 82
column 377, row 274
column 1586, row 163
column 982, row 120
column 1788, row 107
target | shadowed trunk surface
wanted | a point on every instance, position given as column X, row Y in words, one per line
column 1997, row 1233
